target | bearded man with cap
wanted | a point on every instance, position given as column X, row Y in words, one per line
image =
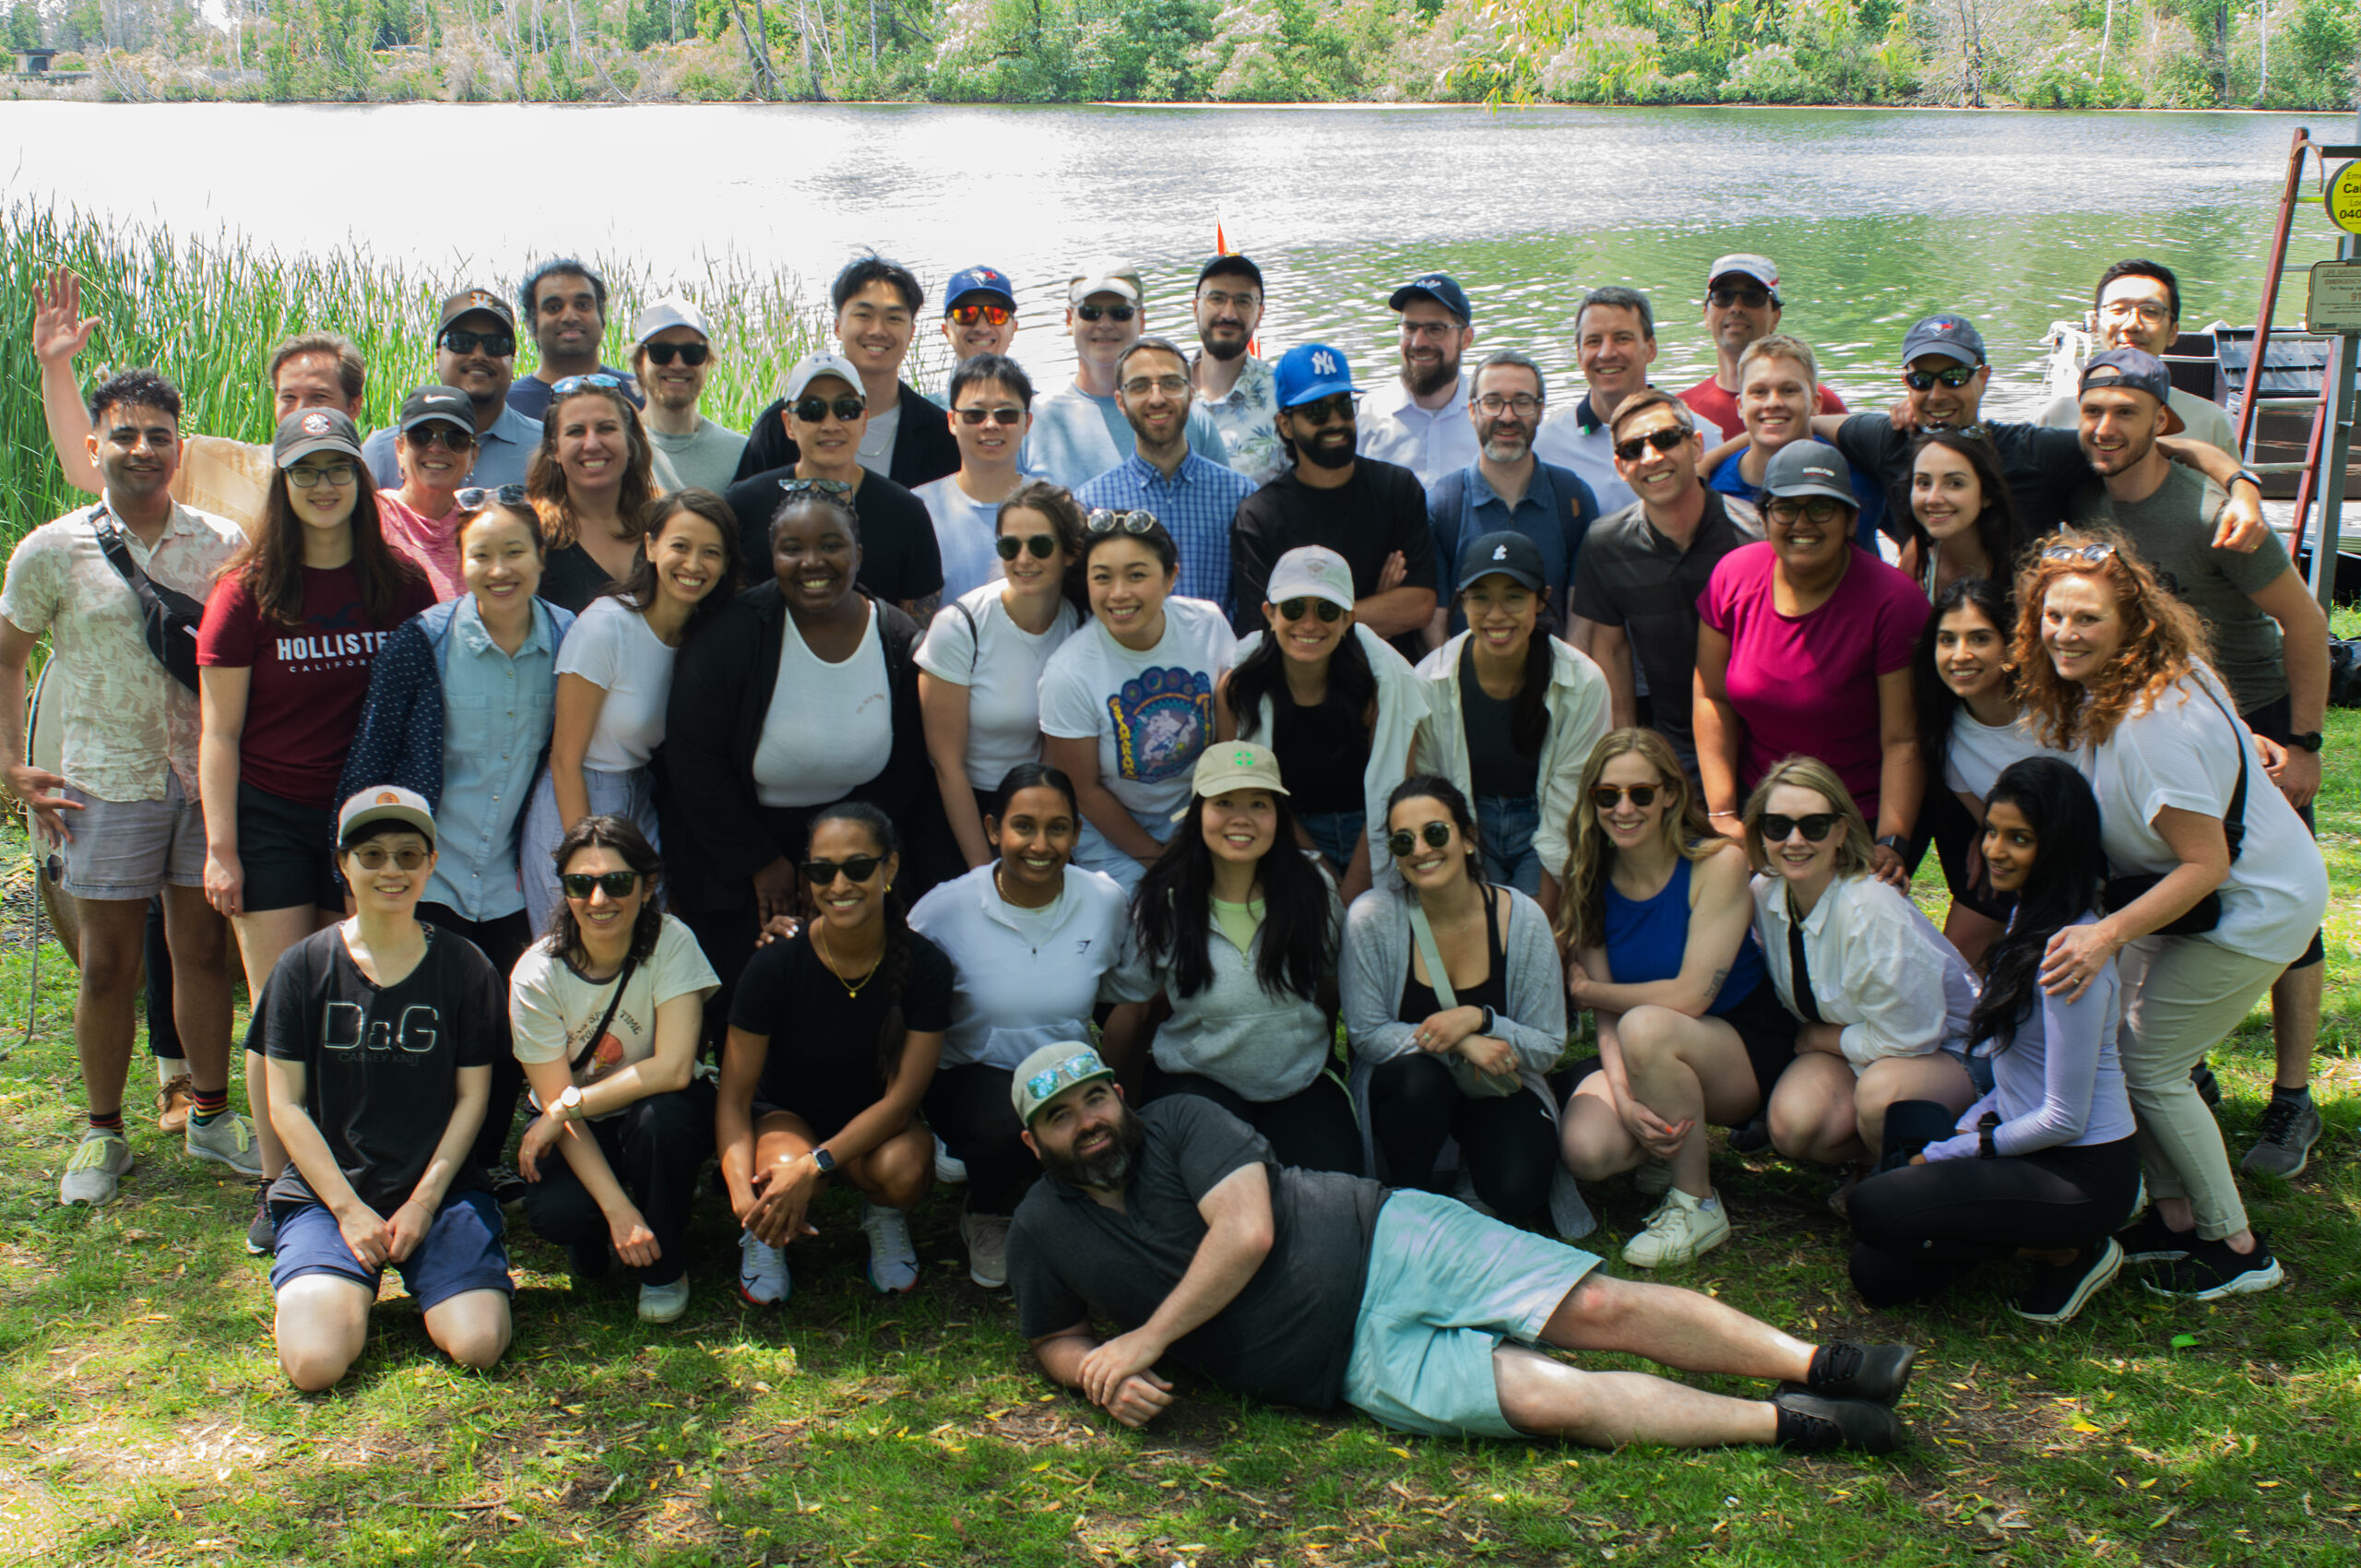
column 1177, row 1225
column 672, row 357
column 475, row 351
column 1741, row 304
column 1419, row 418
column 1080, row 429
column 1371, row 512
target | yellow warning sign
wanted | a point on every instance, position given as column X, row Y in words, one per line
column 2343, row 198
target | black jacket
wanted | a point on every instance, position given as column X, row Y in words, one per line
column 923, row 448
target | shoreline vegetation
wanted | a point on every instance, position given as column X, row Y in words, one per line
column 2286, row 54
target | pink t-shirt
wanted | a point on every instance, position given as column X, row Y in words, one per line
column 432, row 546
column 1809, row 685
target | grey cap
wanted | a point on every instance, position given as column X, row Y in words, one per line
column 308, row 431
column 435, row 404
column 1809, row 467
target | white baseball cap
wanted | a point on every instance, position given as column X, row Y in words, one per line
column 814, row 366
column 1310, row 570
column 672, row 310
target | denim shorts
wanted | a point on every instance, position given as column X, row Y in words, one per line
column 1506, row 826
column 1446, row 1285
column 460, row 1252
column 132, row 849
column 1334, row 834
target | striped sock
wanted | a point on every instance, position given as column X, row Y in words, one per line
column 110, row 1123
column 207, row 1105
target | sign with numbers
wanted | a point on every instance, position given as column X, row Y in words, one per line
column 2332, row 305
column 2343, row 198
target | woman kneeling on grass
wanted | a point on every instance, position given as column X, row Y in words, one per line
column 379, row 1034
column 834, row 1034
column 2044, row 1166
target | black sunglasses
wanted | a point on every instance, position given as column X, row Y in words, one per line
column 613, row 884
column 1776, row 829
column 1924, row 380
column 449, row 437
column 1402, row 843
column 1114, row 313
column 1323, row 411
column 1663, row 440
column 499, row 345
column 1042, row 545
column 1752, row 299
column 1607, row 797
column 476, row 497
column 998, row 415
column 690, row 353
column 812, row 411
column 860, row 868
column 1293, row 609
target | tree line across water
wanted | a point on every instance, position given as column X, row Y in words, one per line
column 2047, row 53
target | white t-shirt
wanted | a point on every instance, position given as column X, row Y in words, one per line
column 830, row 727
column 2178, row 754
column 964, row 531
column 1151, row 713
column 1000, row 663
column 552, row 1009
column 612, row 647
column 877, row 439
column 1025, row 977
column 1979, row 753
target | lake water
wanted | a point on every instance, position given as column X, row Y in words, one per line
column 1876, row 217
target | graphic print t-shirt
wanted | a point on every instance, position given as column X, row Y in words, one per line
column 552, row 1007
column 381, row 1064
column 1151, row 713
column 309, row 680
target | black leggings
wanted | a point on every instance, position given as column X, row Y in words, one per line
column 1919, row 1229
column 655, row 1146
column 1313, row 1129
column 969, row 1108
column 1508, row 1144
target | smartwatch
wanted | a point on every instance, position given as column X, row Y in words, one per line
column 825, row 1160
column 569, row 1104
column 1984, row 1125
column 1487, row 1025
column 1896, row 842
column 2250, row 477
column 2309, row 741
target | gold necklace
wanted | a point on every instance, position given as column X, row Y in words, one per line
column 820, row 945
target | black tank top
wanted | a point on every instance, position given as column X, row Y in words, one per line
column 1322, row 753
column 1420, row 1001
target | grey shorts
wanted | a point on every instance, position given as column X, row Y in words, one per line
column 132, row 849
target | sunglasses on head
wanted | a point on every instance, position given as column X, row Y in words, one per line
column 690, row 353
column 1074, row 1069
column 991, row 315
column 1328, row 609
column 1607, row 797
column 476, row 497
column 600, row 380
column 1777, row 829
column 1323, row 411
column 845, row 405
column 1954, row 376
column 1113, row 312
column 1402, row 843
column 1663, row 440
column 499, row 345
column 998, row 415
column 451, row 438
column 1008, row 546
column 860, row 868
column 613, row 884
column 1101, row 521
column 375, row 858
column 2098, row 550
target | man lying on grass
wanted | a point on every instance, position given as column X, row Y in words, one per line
column 379, row 1034
column 1306, row 1286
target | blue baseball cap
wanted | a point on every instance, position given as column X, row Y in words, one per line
column 977, row 280
column 1310, row 372
column 1440, row 286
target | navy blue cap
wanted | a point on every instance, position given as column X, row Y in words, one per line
column 977, row 280
column 1440, row 286
column 1950, row 334
column 1310, row 372
column 1233, row 263
column 2135, row 370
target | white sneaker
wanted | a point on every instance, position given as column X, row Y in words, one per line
column 662, row 1303
column 229, row 1139
column 949, row 1168
column 1652, row 1179
column 1682, row 1230
column 987, row 1239
column 99, row 1162
column 892, row 1261
column 763, row 1278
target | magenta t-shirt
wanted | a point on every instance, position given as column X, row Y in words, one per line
column 1809, row 685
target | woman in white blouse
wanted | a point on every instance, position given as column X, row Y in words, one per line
column 1883, row 999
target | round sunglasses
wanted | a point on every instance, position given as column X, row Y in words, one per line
column 1607, row 797
column 1401, row 843
column 1042, row 545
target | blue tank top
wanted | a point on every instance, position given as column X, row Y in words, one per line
column 1645, row 939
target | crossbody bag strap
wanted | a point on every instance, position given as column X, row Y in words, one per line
column 1437, row 980
column 623, row 980
column 2234, row 825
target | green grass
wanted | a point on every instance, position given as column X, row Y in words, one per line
column 143, row 1417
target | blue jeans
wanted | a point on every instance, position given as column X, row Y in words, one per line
column 629, row 795
column 1334, row 834
column 1506, row 826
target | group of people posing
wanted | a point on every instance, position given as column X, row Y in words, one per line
column 1023, row 792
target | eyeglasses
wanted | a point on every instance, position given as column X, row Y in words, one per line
column 375, row 859
column 1113, row 312
column 1752, row 299
column 1074, row 1069
column 967, row 315
column 1170, row 385
column 475, row 497
column 1247, row 300
column 1043, row 545
column 998, row 415
column 569, row 385
column 1328, row 609
column 1956, row 377
column 1777, row 829
column 337, row 474
column 1607, row 797
column 860, row 868
column 1663, row 440
column 2153, row 312
column 1820, row 509
column 1428, row 328
column 2097, row 551
column 1402, row 843
column 615, row 884
column 1322, row 410
column 1523, row 405
column 499, row 345
column 812, row 411
column 451, row 438
column 690, row 353
column 1101, row 521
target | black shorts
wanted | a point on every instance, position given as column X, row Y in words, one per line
column 1767, row 1030
column 2276, row 722
column 289, row 852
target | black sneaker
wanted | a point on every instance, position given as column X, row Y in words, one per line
column 262, row 1233
column 2150, row 1240
column 1750, row 1137
column 507, row 1187
column 2208, row 1088
column 2058, row 1290
column 1812, row 1423
column 2291, row 1126
column 2211, row 1271
column 1842, row 1369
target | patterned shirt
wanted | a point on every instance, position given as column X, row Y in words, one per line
column 1246, row 420
column 123, row 720
column 1196, row 506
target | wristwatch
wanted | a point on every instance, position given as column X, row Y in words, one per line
column 1896, row 842
column 1486, row 1027
column 1984, row 1125
column 2309, row 741
column 569, row 1104
column 825, row 1160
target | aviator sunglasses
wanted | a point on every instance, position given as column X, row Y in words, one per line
column 1777, row 829
column 1607, row 797
column 616, row 885
column 1402, row 843
column 1663, row 440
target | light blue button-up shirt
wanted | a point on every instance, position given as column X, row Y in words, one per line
column 497, row 710
column 1196, row 506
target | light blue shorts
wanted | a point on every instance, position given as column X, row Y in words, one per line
column 1445, row 1287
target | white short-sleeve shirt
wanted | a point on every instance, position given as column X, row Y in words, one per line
column 1980, row 752
column 830, row 728
column 973, row 643
column 1025, row 977
column 612, row 646
column 552, row 1008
